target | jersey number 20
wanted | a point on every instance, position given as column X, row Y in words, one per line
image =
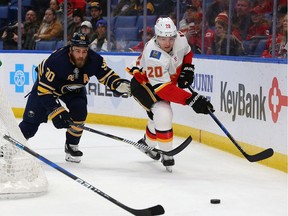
column 155, row 71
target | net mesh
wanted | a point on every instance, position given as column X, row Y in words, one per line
column 21, row 175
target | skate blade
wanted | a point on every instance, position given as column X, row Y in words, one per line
column 72, row 159
column 169, row 169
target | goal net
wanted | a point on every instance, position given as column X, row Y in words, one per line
column 21, row 175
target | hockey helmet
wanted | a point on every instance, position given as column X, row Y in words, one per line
column 165, row 27
column 80, row 40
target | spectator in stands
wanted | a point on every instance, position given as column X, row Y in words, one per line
column 194, row 36
column 281, row 46
column 241, row 19
column 282, row 11
column 77, row 19
column 220, row 43
column 282, row 6
column 138, row 8
column 96, row 13
column 74, row 4
column 140, row 46
column 87, row 28
column 260, row 26
column 54, row 4
column 189, row 17
column 257, row 31
column 10, row 37
column 103, row 4
column 51, row 28
column 100, row 44
column 215, row 8
column 265, row 5
column 31, row 26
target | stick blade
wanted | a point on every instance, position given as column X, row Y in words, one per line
column 261, row 155
column 154, row 210
column 180, row 148
column 157, row 210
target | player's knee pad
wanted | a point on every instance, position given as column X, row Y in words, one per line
column 28, row 129
column 163, row 115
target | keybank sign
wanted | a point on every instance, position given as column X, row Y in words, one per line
column 242, row 103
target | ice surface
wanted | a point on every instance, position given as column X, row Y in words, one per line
column 120, row 170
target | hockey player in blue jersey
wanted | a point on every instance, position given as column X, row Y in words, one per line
column 63, row 76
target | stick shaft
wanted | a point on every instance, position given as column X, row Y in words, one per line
column 79, row 180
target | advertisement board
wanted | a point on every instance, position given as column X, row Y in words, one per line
column 249, row 97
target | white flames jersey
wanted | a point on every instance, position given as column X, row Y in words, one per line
column 162, row 67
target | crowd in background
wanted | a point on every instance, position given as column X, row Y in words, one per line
column 249, row 25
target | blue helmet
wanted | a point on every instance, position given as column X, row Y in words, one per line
column 80, row 40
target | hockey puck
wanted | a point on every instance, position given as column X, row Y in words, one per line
column 215, row 201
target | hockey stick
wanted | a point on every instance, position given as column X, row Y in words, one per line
column 175, row 151
column 154, row 210
column 252, row 158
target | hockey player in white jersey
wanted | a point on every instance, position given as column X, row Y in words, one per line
column 160, row 75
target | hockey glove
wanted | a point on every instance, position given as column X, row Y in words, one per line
column 199, row 103
column 186, row 76
column 60, row 118
column 122, row 86
column 139, row 75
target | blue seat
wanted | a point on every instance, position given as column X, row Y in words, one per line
column 26, row 3
column 112, row 22
column 125, row 21
column 4, row 12
column 59, row 44
column 3, row 16
column 1, row 45
column 150, row 21
column 45, row 45
column 13, row 14
column 126, row 33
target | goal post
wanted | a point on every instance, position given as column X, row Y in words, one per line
column 21, row 175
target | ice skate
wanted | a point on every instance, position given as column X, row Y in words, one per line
column 168, row 162
column 151, row 154
column 73, row 154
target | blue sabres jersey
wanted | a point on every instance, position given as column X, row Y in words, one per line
column 57, row 75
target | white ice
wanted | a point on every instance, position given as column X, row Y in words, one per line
column 120, row 170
